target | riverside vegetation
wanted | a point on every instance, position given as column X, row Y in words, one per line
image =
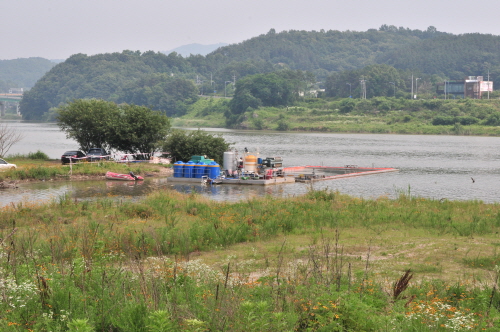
column 376, row 115
column 321, row 262
column 37, row 166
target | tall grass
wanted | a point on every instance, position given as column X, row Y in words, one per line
column 38, row 155
column 128, row 266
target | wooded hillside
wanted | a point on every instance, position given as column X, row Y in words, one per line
column 22, row 73
column 171, row 82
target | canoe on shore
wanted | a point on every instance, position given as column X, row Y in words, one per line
column 123, row 177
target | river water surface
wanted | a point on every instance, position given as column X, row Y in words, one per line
column 429, row 166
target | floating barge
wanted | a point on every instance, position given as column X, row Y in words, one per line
column 252, row 170
column 321, row 173
column 304, row 174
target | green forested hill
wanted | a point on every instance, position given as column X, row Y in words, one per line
column 22, row 73
column 449, row 55
column 149, row 79
column 322, row 52
column 171, row 82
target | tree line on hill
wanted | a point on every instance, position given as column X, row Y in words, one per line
column 22, row 73
column 386, row 59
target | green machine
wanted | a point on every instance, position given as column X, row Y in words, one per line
column 201, row 159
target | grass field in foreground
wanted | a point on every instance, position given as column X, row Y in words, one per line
column 321, row 262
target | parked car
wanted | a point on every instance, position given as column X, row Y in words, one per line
column 97, row 154
column 72, row 156
column 6, row 166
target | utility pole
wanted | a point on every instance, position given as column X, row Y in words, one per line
column 411, row 86
column 363, row 87
column 225, row 88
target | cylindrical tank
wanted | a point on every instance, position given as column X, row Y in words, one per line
column 229, row 161
column 199, row 170
column 178, row 169
column 213, row 170
column 259, row 161
column 250, row 163
column 188, row 169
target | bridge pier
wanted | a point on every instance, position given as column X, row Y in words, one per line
column 2, row 108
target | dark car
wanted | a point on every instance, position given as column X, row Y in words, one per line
column 97, row 154
column 72, row 156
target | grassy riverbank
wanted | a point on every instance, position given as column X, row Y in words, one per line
column 376, row 115
column 36, row 170
column 322, row 262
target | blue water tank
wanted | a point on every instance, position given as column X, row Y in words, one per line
column 199, row 170
column 259, row 161
column 178, row 169
column 213, row 170
column 188, row 170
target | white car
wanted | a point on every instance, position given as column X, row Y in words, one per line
column 6, row 166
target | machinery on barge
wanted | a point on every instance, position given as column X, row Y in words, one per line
column 247, row 168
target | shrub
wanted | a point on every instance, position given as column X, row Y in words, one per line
column 443, row 121
column 493, row 119
column 467, row 120
column 39, row 155
column 347, row 105
column 283, row 126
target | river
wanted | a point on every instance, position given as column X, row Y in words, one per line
column 440, row 167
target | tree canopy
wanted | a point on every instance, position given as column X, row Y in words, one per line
column 182, row 145
column 104, row 124
column 380, row 80
column 129, row 77
column 273, row 89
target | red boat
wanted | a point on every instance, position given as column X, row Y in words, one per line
column 123, row 177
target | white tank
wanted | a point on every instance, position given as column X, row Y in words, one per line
column 229, row 161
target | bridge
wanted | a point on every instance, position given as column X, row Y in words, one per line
column 9, row 98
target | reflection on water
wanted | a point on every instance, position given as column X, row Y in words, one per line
column 230, row 192
column 49, row 191
column 53, row 191
column 429, row 166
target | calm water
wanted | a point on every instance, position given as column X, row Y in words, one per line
column 429, row 166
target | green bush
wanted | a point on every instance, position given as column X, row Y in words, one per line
column 283, row 125
column 39, row 155
column 444, row 121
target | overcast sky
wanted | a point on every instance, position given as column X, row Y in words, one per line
column 56, row 29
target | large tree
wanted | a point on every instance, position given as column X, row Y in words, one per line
column 88, row 121
column 138, row 129
column 104, row 124
column 273, row 89
column 183, row 144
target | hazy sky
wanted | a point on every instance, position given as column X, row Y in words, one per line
column 56, row 29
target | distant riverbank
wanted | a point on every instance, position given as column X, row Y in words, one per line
column 376, row 116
